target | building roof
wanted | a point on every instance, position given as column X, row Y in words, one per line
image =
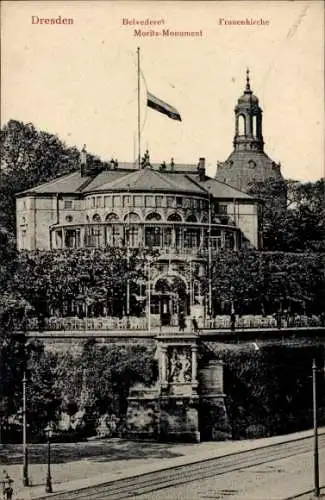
column 145, row 179
column 243, row 167
column 69, row 183
column 220, row 189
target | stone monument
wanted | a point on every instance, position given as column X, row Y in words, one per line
column 184, row 399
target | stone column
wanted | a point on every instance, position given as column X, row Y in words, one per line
column 173, row 237
column 82, row 236
column 63, row 238
column 163, row 364
column 194, row 363
column 235, row 240
column 201, row 237
column 140, row 236
column 223, row 239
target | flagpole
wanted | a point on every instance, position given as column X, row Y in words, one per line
column 139, row 132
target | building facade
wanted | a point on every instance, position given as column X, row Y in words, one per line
column 175, row 209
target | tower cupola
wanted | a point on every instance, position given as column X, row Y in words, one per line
column 248, row 121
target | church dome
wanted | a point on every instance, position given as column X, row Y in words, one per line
column 248, row 97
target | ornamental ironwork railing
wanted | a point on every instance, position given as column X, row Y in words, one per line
column 141, row 323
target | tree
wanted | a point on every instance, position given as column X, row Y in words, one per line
column 266, row 282
column 66, row 281
column 30, row 157
column 97, row 381
column 298, row 226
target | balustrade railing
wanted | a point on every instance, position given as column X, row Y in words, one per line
column 141, row 323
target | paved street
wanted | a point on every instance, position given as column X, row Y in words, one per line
column 270, row 478
column 274, row 472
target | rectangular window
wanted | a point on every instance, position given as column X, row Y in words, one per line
column 159, row 200
column 126, row 201
column 67, row 204
column 116, row 201
column 155, row 306
column 132, row 237
column 116, row 235
column 138, row 201
column 191, row 238
column 149, row 201
column 153, row 237
column 98, row 202
column 186, row 203
column 222, row 209
column 93, row 202
column 179, row 201
column 170, row 202
column 108, row 201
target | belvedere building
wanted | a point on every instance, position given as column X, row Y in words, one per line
column 175, row 209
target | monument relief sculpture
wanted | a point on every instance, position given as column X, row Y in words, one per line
column 179, row 367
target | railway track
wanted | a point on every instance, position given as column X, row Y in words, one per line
column 147, row 483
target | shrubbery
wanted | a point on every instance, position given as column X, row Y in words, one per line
column 269, row 391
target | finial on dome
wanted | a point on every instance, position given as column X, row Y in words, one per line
column 248, row 87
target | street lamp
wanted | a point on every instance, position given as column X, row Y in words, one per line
column 209, row 258
column 127, row 240
column 25, row 450
column 48, row 488
column 316, row 457
column 149, row 297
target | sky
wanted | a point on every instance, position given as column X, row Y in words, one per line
column 79, row 80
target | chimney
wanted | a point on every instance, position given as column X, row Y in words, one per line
column 201, row 169
column 83, row 161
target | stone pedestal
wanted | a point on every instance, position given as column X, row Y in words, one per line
column 143, row 413
column 187, row 403
column 214, row 424
column 168, row 411
column 178, row 399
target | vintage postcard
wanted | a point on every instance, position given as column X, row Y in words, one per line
column 162, row 327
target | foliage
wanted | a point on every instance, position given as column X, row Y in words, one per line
column 266, row 282
column 28, row 158
column 297, row 226
column 269, row 391
column 80, row 281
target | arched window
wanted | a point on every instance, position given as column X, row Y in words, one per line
column 96, row 218
column 132, row 217
column 162, row 285
column 111, row 218
column 174, row 218
column 191, row 218
column 153, row 216
column 254, row 125
column 241, row 125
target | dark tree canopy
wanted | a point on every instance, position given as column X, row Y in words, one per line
column 30, row 157
column 300, row 226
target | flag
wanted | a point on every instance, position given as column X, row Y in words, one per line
column 161, row 106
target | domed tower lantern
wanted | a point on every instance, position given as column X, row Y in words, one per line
column 248, row 119
column 248, row 164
